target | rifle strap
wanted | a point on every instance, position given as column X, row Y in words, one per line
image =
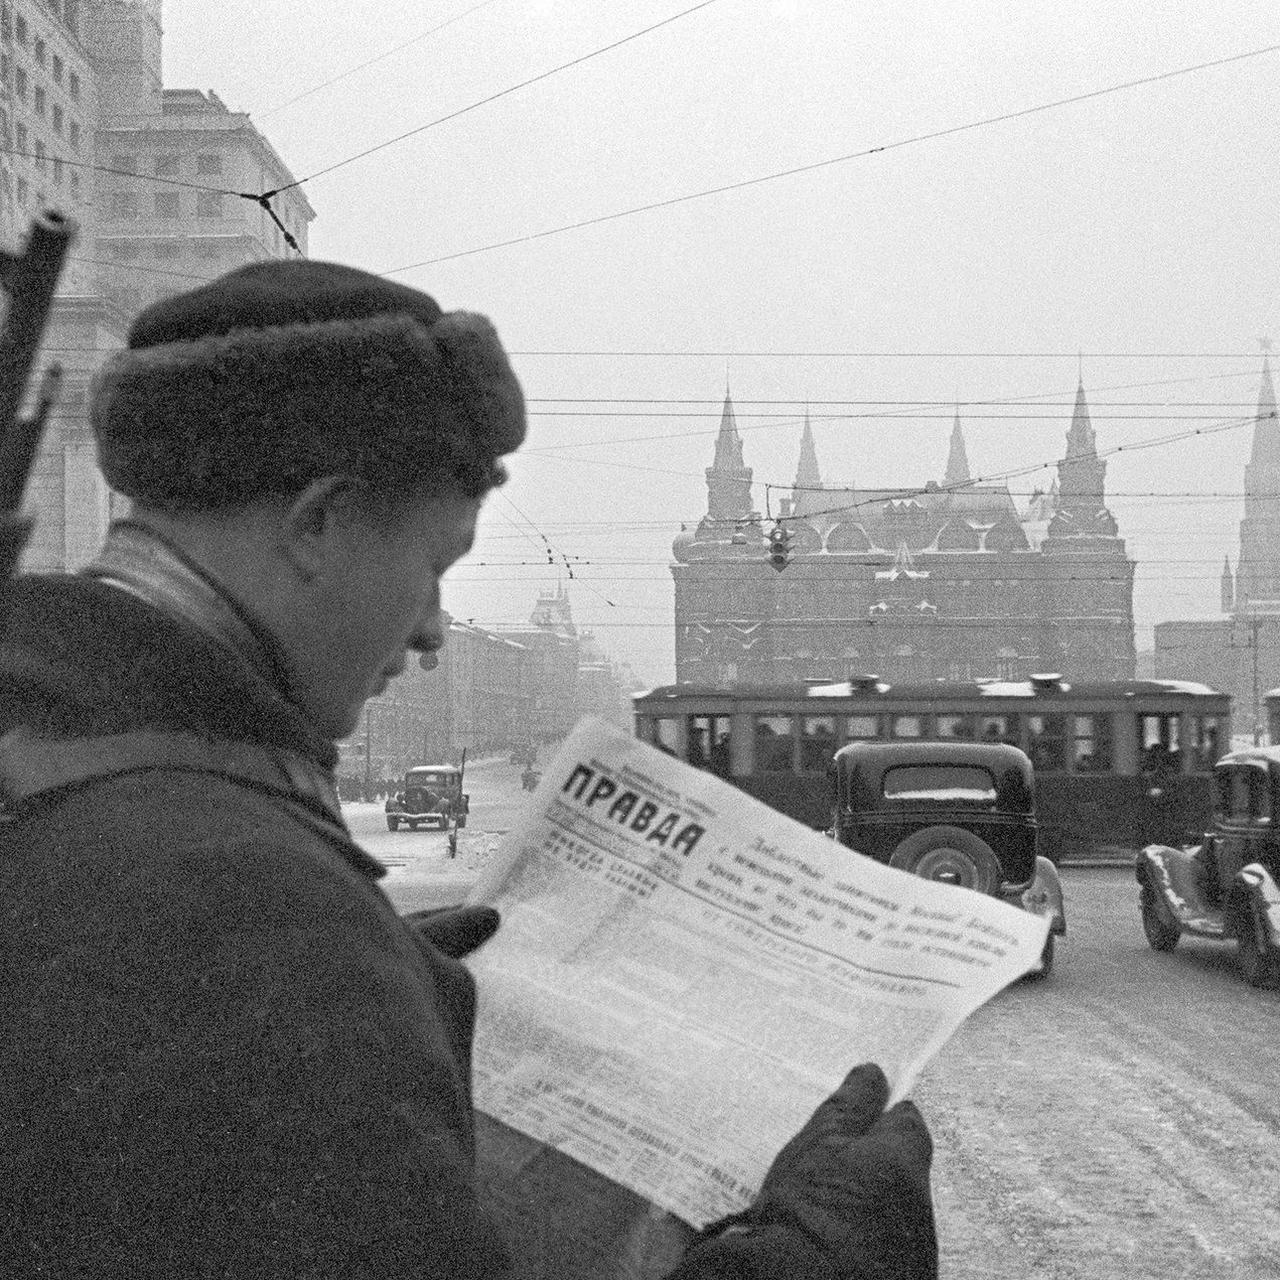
column 34, row 767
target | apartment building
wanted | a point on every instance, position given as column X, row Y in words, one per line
column 153, row 177
column 48, row 108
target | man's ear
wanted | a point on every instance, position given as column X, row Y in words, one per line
column 315, row 525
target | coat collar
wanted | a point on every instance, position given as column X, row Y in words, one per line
column 136, row 559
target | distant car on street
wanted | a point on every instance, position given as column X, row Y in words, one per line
column 962, row 813
column 1226, row 886
column 432, row 796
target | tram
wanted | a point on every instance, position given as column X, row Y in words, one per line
column 1118, row 764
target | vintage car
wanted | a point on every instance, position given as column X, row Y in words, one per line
column 432, row 797
column 1225, row 886
column 959, row 812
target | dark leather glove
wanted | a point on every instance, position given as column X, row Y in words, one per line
column 457, row 931
column 847, row 1197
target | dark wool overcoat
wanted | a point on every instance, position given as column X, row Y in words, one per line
column 221, row 1051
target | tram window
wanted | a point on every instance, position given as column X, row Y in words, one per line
column 709, row 743
column 775, row 744
column 1001, row 728
column 666, row 734
column 1206, row 742
column 1158, row 737
column 1091, row 744
column 906, row 726
column 955, row 725
column 1047, row 745
column 859, row 728
column 817, row 743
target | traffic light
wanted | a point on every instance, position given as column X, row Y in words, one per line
column 779, row 546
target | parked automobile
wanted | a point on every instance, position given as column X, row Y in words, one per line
column 1226, row 885
column 432, row 797
column 958, row 812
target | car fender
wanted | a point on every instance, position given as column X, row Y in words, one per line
column 1043, row 896
column 1173, row 878
column 1256, row 884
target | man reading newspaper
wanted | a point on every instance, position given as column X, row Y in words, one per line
column 222, row 1053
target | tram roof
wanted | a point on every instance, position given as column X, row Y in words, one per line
column 1041, row 687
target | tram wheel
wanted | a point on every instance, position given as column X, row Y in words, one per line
column 1162, row 935
column 1259, row 964
column 951, row 855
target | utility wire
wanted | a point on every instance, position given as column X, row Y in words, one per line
column 369, row 62
column 1073, row 355
column 834, row 160
column 493, row 97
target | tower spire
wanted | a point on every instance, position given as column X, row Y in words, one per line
column 728, row 478
column 1082, row 500
column 957, row 458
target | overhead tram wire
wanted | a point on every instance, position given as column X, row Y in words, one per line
column 1073, row 355
column 493, row 97
column 369, row 62
column 931, row 136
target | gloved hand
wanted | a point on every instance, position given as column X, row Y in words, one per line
column 853, row 1183
column 457, row 931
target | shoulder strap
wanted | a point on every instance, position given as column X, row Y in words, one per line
column 32, row 766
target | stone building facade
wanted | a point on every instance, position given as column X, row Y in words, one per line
column 1239, row 652
column 947, row 580
column 488, row 692
column 145, row 172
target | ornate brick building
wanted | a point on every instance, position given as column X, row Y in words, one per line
column 1239, row 652
column 948, row 580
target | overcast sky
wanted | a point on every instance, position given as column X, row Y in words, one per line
column 1138, row 228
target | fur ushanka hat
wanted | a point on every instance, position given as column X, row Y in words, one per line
column 281, row 372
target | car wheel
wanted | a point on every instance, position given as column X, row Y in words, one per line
column 1258, row 962
column 949, row 854
column 1162, row 935
column 393, row 824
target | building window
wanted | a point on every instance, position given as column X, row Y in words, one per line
column 20, row 82
column 167, row 204
column 6, row 22
column 122, row 204
column 20, row 133
column 22, row 191
column 39, row 149
column 125, row 164
column 57, row 170
column 20, row 29
column 75, row 184
column 39, row 101
column 209, row 204
column 57, row 69
column 73, row 84
column 38, row 50
column 57, row 118
column 73, row 132
column 208, row 163
column 167, row 166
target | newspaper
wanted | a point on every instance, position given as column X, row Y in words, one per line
column 682, row 973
